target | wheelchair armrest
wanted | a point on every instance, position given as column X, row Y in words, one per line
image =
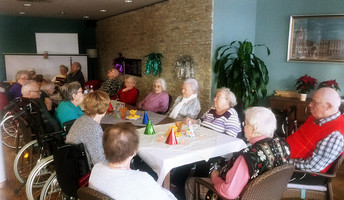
column 316, row 173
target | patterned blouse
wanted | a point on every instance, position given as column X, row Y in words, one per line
column 111, row 86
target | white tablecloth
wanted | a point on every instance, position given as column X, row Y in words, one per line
column 162, row 157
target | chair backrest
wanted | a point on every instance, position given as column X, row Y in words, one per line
column 71, row 164
column 87, row 193
column 269, row 185
column 335, row 165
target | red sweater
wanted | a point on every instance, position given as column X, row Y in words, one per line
column 303, row 142
column 128, row 97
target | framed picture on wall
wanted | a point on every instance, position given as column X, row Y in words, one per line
column 316, row 38
column 133, row 67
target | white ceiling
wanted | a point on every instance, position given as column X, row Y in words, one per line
column 71, row 9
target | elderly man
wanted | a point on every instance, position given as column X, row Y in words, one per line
column 319, row 141
column 76, row 74
column 31, row 95
column 112, row 86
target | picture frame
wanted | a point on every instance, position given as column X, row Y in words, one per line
column 133, row 67
column 316, row 38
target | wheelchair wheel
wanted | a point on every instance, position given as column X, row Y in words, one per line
column 51, row 189
column 26, row 160
column 38, row 177
column 9, row 132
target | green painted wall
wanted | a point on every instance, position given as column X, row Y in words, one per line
column 272, row 28
column 17, row 35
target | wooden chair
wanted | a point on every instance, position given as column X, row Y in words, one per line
column 269, row 185
column 87, row 193
column 315, row 191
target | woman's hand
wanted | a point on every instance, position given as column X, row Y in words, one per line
column 48, row 103
column 215, row 173
column 127, row 89
column 187, row 120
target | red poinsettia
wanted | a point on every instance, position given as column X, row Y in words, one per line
column 305, row 84
column 331, row 83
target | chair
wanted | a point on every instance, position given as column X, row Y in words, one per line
column 315, row 191
column 87, row 193
column 269, row 185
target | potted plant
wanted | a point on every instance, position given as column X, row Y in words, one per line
column 331, row 83
column 304, row 85
column 240, row 70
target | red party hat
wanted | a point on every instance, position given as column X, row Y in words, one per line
column 110, row 108
column 171, row 139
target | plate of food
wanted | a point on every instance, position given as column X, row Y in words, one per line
column 133, row 117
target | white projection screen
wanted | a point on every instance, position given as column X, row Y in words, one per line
column 57, row 43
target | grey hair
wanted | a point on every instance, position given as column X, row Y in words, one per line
column 26, row 87
column 230, row 96
column 330, row 96
column 21, row 72
column 162, row 82
column 64, row 67
column 77, row 64
column 132, row 78
column 263, row 121
column 194, row 84
column 68, row 89
column 47, row 84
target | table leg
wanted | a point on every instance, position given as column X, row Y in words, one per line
column 167, row 181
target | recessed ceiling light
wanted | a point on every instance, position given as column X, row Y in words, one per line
column 27, row 4
column 128, row 1
column 86, row 17
column 102, row 10
column 22, row 13
column 62, row 13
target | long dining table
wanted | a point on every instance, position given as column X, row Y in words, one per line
column 162, row 157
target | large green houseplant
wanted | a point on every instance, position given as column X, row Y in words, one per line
column 239, row 69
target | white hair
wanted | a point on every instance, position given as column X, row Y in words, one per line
column 162, row 82
column 194, row 84
column 230, row 96
column 330, row 96
column 263, row 121
column 27, row 86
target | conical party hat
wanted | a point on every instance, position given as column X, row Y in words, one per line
column 110, row 108
column 149, row 129
column 171, row 139
column 190, row 132
column 145, row 118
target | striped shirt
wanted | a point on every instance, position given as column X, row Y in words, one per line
column 227, row 123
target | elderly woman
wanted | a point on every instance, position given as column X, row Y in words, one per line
column 112, row 86
column 264, row 154
column 76, row 74
column 87, row 129
column 158, row 100
column 188, row 104
column 115, row 178
column 129, row 93
column 222, row 117
column 69, row 108
column 21, row 77
column 48, row 89
column 60, row 79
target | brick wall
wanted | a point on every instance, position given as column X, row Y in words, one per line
column 172, row 28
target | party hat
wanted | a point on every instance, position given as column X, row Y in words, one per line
column 149, row 129
column 190, row 132
column 145, row 118
column 171, row 139
column 110, row 108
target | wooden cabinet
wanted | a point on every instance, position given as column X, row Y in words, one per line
column 293, row 108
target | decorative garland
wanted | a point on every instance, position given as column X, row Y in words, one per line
column 118, row 63
column 185, row 67
column 153, row 63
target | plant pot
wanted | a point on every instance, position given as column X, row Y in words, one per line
column 303, row 97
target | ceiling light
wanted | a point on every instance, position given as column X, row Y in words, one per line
column 128, row 1
column 86, row 17
column 62, row 13
column 22, row 13
column 27, row 4
column 102, row 10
